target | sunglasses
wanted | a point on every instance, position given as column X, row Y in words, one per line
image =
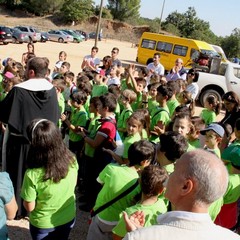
column 114, row 52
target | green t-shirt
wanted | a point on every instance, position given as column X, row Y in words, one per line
column 232, row 153
column 116, row 179
column 124, row 84
column 215, row 208
column 117, row 111
column 87, row 104
column 215, row 151
column 144, row 134
column 152, row 105
column 169, row 168
column 78, row 118
column 99, row 90
column 137, row 104
column 128, row 142
column 122, row 121
column 172, row 104
column 208, row 116
column 3, row 94
column 92, row 129
column 195, row 143
column 55, row 202
column 233, row 191
column 159, row 114
column 150, row 212
column 61, row 105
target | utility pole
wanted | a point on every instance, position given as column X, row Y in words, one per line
column 99, row 23
column 161, row 16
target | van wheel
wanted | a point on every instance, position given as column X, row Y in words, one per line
column 209, row 92
column 150, row 60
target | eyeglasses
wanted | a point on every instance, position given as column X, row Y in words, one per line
column 114, row 52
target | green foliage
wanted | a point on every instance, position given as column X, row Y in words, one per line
column 124, row 9
column 106, row 13
column 231, row 44
column 77, row 10
column 42, row 7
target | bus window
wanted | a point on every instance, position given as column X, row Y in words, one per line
column 164, row 47
column 149, row 44
column 180, row 50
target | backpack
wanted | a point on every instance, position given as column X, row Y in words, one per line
column 103, row 158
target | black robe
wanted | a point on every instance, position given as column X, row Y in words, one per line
column 35, row 98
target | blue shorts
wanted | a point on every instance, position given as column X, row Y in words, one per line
column 60, row 232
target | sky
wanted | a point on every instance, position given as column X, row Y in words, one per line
column 222, row 15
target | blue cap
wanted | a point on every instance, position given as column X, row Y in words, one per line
column 214, row 127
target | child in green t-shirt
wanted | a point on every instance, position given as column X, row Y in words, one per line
column 116, row 179
column 152, row 185
column 138, row 85
column 99, row 88
column 134, row 131
column 211, row 110
column 172, row 103
column 185, row 99
column 152, row 103
column 127, row 97
column 160, row 116
column 60, row 86
column 194, row 134
column 78, row 117
column 213, row 137
column 115, row 89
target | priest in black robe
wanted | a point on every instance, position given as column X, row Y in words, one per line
column 31, row 99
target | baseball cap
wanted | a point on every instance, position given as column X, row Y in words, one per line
column 214, row 127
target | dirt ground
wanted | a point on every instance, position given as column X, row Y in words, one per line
column 18, row 229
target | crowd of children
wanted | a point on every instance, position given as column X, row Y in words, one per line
column 156, row 122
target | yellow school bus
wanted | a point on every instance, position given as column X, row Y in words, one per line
column 171, row 48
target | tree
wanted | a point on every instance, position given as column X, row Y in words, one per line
column 77, row 10
column 231, row 44
column 124, row 9
column 42, row 7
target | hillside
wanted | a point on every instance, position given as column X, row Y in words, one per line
column 111, row 29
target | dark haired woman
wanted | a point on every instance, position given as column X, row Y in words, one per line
column 192, row 78
column 232, row 106
column 49, row 183
column 27, row 55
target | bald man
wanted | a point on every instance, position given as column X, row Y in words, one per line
column 199, row 179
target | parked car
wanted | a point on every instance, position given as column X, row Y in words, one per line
column 92, row 35
column 32, row 32
column 76, row 38
column 83, row 33
column 76, row 32
column 5, row 35
column 18, row 36
column 44, row 37
column 59, row 36
column 219, row 80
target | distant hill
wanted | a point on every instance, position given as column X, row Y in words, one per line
column 111, row 29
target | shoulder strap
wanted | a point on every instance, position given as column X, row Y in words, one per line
column 123, row 194
column 160, row 110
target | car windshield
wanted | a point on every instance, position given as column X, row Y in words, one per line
column 210, row 53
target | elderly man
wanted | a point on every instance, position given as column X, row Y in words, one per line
column 177, row 72
column 199, row 178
